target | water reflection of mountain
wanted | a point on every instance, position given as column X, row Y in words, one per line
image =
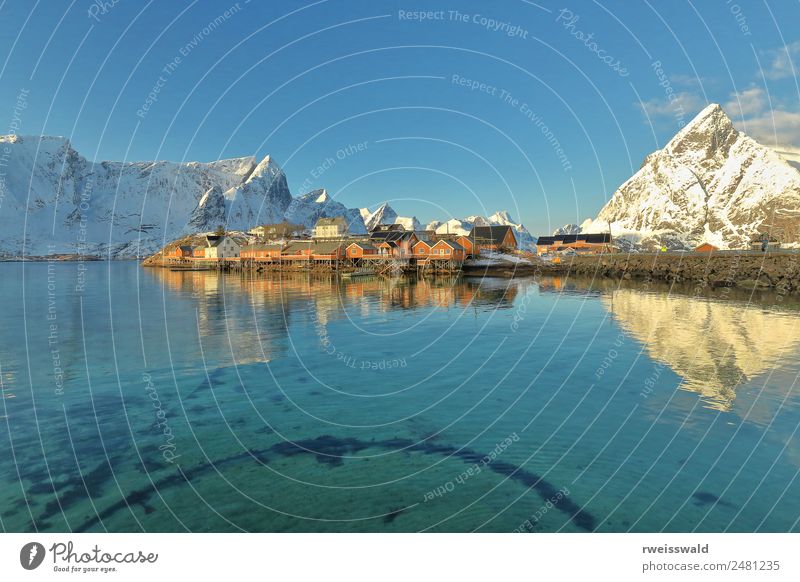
column 716, row 346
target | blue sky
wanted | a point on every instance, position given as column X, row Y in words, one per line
column 539, row 108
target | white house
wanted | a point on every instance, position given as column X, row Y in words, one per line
column 335, row 227
column 221, row 247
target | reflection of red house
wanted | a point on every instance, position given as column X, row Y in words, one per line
column 706, row 248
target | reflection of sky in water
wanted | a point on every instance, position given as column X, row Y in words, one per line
column 390, row 389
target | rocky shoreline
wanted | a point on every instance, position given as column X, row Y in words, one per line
column 778, row 270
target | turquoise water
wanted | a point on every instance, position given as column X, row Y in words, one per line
column 147, row 400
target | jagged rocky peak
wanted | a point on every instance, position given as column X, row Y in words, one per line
column 710, row 133
column 310, row 207
column 567, row 229
column 383, row 214
column 710, row 183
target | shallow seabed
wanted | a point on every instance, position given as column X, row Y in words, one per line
column 144, row 399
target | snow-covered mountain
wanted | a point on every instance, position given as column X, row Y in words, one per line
column 385, row 214
column 567, row 229
column 53, row 200
column 710, row 183
column 309, row 208
column 452, row 226
column 524, row 238
column 502, row 217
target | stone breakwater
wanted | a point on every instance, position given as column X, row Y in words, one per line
column 777, row 270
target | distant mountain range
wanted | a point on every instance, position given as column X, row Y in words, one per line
column 710, row 183
column 55, row 201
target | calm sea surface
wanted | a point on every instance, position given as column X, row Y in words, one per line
column 148, row 400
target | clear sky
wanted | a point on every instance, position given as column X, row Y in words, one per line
column 539, row 108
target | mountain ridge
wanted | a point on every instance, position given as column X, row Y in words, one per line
column 55, row 201
column 709, row 183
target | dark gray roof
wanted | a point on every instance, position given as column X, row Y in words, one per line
column 388, row 228
column 296, row 246
column 327, row 247
column 595, row 238
column 451, row 243
column 603, row 237
column 391, row 235
column 364, row 245
column 492, row 234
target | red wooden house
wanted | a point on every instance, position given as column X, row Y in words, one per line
column 359, row 250
column 180, row 252
column 466, row 242
column 402, row 240
column 299, row 249
column 328, row 250
column 422, row 249
column 265, row 252
column 447, row 250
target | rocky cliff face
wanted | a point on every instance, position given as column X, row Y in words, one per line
column 710, row 183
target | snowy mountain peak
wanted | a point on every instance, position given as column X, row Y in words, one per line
column 383, row 214
column 567, row 229
column 501, row 216
column 710, row 183
column 710, row 133
column 309, row 208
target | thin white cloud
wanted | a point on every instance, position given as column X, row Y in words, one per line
column 750, row 110
column 682, row 104
column 774, row 128
column 748, row 102
column 691, row 81
column 783, row 62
